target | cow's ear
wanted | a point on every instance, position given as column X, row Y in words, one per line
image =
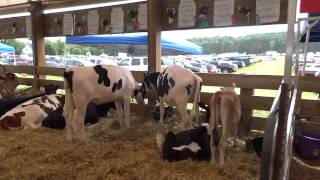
column 145, row 74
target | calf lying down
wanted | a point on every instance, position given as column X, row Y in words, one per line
column 190, row 144
column 8, row 104
column 31, row 113
column 56, row 120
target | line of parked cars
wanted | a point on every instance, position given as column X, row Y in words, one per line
column 209, row 64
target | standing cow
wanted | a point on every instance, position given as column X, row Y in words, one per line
column 175, row 86
column 225, row 108
column 98, row 84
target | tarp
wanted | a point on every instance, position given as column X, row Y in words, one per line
column 6, row 49
column 315, row 31
column 135, row 41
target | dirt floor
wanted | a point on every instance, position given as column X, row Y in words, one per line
column 111, row 153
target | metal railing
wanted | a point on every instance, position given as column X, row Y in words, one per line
column 272, row 143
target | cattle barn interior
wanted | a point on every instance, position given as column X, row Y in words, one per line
column 132, row 153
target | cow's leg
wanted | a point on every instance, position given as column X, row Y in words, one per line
column 78, row 121
column 185, row 119
column 212, row 148
column 120, row 112
column 126, row 108
column 161, row 107
column 68, row 112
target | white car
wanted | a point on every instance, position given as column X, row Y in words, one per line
column 78, row 62
column 103, row 61
column 135, row 64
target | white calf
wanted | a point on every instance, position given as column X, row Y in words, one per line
column 98, row 84
column 225, row 108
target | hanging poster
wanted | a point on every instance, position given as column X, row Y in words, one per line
column 28, row 27
column 67, row 24
column 187, row 13
column 223, row 12
column 93, row 22
column 268, row 11
column 143, row 16
column 117, row 20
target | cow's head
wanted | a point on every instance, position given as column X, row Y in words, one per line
column 51, row 89
column 8, row 84
column 150, row 79
column 140, row 93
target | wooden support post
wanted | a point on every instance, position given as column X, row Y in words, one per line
column 154, row 35
column 37, row 37
column 154, row 41
column 246, row 112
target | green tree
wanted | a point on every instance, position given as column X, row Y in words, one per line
column 18, row 46
column 50, row 48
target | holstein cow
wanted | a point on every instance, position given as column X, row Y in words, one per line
column 98, row 84
column 55, row 120
column 31, row 113
column 8, row 104
column 225, row 108
column 190, row 144
column 175, row 86
column 8, row 84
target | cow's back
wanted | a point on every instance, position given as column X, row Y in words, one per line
column 102, row 83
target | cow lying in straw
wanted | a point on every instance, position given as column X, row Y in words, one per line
column 31, row 113
column 55, row 120
column 175, row 86
column 98, row 84
column 189, row 144
column 225, row 108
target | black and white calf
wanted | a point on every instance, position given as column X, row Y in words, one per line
column 175, row 86
column 190, row 144
column 8, row 104
column 98, row 84
column 56, row 120
column 31, row 113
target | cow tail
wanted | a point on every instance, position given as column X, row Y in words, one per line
column 215, row 116
column 69, row 106
column 196, row 100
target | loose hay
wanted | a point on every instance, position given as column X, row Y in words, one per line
column 112, row 153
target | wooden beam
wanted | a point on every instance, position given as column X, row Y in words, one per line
column 38, row 45
column 154, row 35
column 246, row 112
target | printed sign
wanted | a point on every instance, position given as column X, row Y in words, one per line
column 143, row 16
column 187, row 13
column 117, row 22
column 93, row 22
column 28, row 27
column 68, row 24
column 268, row 11
column 223, row 12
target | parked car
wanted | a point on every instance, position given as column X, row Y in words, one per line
column 226, row 66
column 265, row 58
column 195, row 66
column 135, row 64
column 77, row 62
column 246, row 59
column 103, row 61
column 240, row 64
column 52, row 64
column 310, row 70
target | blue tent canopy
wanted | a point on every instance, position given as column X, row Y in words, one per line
column 6, row 49
column 315, row 31
column 134, row 39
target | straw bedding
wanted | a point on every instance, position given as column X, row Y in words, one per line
column 111, row 153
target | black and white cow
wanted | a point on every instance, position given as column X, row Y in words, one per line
column 8, row 104
column 99, row 84
column 31, row 113
column 175, row 86
column 56, row 120
column 190, row 144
